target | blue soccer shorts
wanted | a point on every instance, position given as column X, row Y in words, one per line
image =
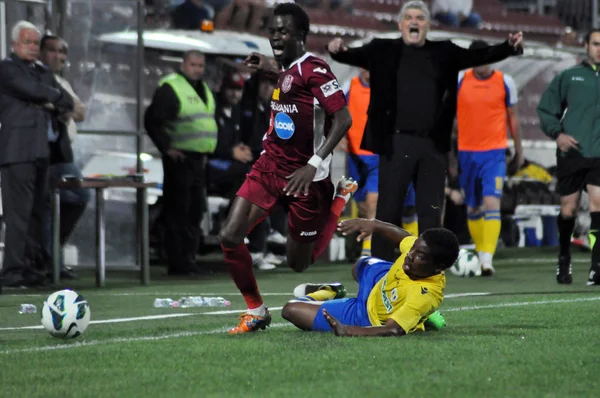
column 481, row 174
column 353, row 311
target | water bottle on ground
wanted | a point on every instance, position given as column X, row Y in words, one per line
column 199, row 301
column 27, row 309
column 166, row 303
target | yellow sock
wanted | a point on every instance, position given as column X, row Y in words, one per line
column 323, row 294
column 366, row 247
column 491, row 231
column 411, row 227
column 475, row 223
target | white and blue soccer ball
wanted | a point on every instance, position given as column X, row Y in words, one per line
column 66, row 314
column 467, row 264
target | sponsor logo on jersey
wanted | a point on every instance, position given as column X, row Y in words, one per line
column 287, row 83
column 320, row 70
column 284, row 126
column 384, row 298
column 330, row 88
column 276, row 94
column 287, row 108
column 309, row 233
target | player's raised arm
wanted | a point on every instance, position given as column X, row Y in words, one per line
column 366, row 228
column 259, row 63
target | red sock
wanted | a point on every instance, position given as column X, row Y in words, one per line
column 332, row 221
column 239, row 263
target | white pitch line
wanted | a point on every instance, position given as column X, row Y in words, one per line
column 118, row 340
column 181, row 315
column 520, row 304
column 276, row 325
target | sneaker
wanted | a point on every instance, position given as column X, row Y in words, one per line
column 275, row 259
column 259, row 262
column 308, row 288
column 435, row 321
column 563, row 271
column 251, row 323
column 346, row 186
column 277, row 238
column 594, row 278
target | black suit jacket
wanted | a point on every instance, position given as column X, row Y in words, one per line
column 60, row 150
column 24, row 90
column 382, row 58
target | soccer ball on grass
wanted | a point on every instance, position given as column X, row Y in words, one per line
column 467, row 264
column 66, row 314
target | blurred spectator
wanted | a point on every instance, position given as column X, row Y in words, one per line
column 457, row 13
column 53, row 54
column 190, row 14
column 238, row 148
column 232, row 158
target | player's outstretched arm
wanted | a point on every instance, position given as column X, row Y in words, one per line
column 463, row 58
column 367, row 227
column 391, row 328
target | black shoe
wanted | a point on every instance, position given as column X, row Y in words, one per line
column 13, row 279
column 594, row 277
column 563, row 271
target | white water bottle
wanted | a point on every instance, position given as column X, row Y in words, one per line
column 166, row 303
column 199, row 301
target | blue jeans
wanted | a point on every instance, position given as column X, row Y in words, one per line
column 451, row 19
column 73, row 202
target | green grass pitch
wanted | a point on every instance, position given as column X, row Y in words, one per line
column 518, row 334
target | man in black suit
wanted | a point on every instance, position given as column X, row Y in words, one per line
column 30, row 102
column 411, row 112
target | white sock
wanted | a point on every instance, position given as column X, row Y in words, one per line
column 258, row 311
column 485, row 258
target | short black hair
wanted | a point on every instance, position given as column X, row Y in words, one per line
column 443, row 245
column 478, row 44
column 46, row 38
column 192, row 53
column 588, row 36
column 299, row 16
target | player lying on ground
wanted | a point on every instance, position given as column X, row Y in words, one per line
column 393, row 299
column 308, row 118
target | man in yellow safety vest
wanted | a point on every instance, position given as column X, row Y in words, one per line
column 181, row 123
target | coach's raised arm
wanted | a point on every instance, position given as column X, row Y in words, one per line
column 411, row 111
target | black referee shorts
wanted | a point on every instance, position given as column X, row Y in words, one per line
column 575, row 173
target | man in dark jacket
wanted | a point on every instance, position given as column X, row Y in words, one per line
column 411, row 112
column 569, row 114
column 30, row 99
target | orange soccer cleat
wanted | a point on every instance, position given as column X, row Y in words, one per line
column 251, row 323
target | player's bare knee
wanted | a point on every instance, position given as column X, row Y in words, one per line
column 287, row 312
column 568, row 210
column 229, row 237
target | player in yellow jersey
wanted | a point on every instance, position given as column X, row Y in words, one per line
column 393, row 299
